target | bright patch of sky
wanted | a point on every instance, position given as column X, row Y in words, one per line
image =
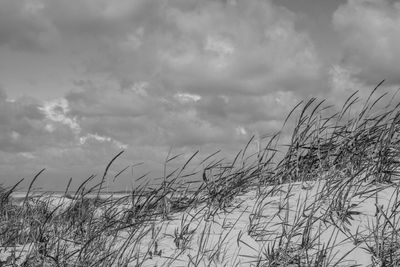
column 57, row 111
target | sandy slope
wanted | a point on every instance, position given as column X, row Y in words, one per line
column 241, row 234
column 229, row 231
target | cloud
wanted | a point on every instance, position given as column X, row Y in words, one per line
column 57, row 111
column 371, row 36
column 174, row 70
column 242, row 49
column 139, row 120
column 30, row 126
column 23, row 27
column 101, row 139
column 157, row 74
column 20, row 120
column 36, row 134
column 25, row 127
column 237, row 48
column 187, row 98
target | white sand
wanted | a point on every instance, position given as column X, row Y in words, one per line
column 225, row 239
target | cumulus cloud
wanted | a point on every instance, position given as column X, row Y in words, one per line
column 57, row 111
column 186, row 74
column 371, row 37
column 36, row 134
column 233, row 47
column 27, row 126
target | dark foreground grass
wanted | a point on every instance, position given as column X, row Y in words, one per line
column 340, row 159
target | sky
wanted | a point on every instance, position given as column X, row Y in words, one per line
column 83, row 80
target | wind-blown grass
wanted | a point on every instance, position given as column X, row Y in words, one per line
column 307, row 203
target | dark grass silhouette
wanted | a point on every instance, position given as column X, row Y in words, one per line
column 338, row 159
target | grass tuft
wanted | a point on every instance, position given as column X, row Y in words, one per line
column 304, row 203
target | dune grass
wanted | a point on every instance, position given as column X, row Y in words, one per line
column 306, row 203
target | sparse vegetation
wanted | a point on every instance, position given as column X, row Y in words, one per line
column 309, row 206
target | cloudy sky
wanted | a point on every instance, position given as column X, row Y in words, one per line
column 82, row 80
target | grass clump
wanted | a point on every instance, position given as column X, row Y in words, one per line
column 305, row 203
